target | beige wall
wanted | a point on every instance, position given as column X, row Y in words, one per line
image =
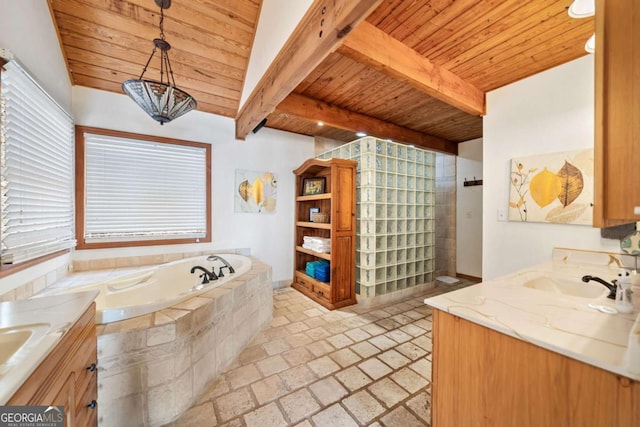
column 445, row 214
column 545, row 113
column 469, row 209
column 322, row 145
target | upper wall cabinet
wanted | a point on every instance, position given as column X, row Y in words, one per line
column 617, row 145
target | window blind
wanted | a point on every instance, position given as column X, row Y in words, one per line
column 36, row 170
column 143, row 190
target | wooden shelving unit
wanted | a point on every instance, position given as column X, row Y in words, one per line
column 338, row 200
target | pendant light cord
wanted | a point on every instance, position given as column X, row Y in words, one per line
column 144, row 70
column 165, row 63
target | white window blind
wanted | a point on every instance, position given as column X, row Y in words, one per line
column 36, row 170
column 143, row 190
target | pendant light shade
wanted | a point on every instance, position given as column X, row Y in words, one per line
column 162, row 100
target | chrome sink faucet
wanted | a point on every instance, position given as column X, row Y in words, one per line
column 611, row 286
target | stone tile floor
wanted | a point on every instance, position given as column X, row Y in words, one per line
column 357, row 366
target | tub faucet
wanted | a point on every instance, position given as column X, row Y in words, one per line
column 222, row 260
column 206, row 275
column 221, row 274
column 610, row 286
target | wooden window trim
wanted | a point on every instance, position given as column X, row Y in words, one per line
column 7, row 270
column 80, row 188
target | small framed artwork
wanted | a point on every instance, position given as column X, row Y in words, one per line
column 311, row 186
column 311, row 212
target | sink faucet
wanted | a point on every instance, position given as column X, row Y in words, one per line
column 222, row 260
column 610, row 286
column 206, row 275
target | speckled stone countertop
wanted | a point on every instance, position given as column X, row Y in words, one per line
column 549, row 306
column 44, row 321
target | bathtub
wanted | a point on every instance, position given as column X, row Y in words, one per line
column 158, row 287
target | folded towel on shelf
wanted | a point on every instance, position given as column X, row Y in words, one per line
column 317, row 244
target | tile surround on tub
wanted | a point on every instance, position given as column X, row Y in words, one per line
column 32, row 287
column 162, row 361
column 144, row 260
column 63, row 276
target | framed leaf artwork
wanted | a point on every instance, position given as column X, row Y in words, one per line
column 554, row 188
column 256, row 191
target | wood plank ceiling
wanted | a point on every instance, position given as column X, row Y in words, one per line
column 109, row 41
column 415, row 70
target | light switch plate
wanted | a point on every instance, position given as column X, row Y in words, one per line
column 502, row 215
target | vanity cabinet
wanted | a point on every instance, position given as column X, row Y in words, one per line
column 68, row 375
column 617, row 143
column 337, row 199
column 485, row 378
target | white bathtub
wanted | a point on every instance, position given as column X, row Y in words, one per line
column 158, row 287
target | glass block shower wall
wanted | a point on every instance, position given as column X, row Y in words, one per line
column 395, row 215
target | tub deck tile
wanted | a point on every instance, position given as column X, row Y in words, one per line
column 135, row 323
column 192, row 303
column 160, row 319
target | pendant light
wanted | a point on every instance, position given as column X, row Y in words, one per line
column 162, row 100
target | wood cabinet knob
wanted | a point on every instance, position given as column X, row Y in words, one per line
column 92, row 405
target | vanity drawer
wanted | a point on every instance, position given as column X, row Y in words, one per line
column 87, row 378
column 322, row 291
column 87, row 406
column 303, row 281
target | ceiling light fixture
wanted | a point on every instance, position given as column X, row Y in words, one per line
column 584, row 9
column 590, row 45
column 361, row 134
column 162, row 100
column 320, row 123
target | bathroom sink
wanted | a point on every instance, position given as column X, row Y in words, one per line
column 572, row 287
column 16, row 338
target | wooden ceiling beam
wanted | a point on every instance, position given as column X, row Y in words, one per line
column 313, row 110
column 375, row 48
column 320, row 31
